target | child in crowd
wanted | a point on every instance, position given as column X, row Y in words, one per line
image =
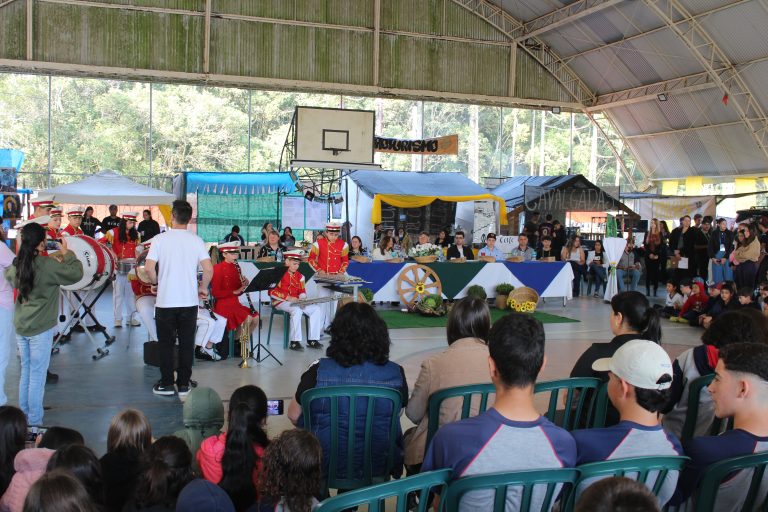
column 617, row 493
column 227, row 285
column 746, row 299
column 762, row 296
column 84, row 465
column 203, row 416
column 693, row 305
column 513, row 425
column 739, row 391
column 673, row 300
column 293, row 473
column 59, row 490
column 731, row 327
column 128, row 439
column 716, row 306
column 640, row 375
column 13, row 436
column 168, row 469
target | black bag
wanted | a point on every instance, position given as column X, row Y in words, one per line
column 152, row 354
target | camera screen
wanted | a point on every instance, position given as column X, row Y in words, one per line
column 274, row 407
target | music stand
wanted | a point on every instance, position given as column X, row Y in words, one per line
column 266, row 278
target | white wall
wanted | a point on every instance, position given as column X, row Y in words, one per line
column 360, row 205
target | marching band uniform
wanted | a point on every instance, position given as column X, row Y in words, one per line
column 292, row 285
column 52, row 231
column 122, row 294
column 331, row 258
column 226, row 279
column 145, row 303
column 75, row 211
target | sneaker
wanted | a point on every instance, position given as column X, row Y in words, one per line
column 295, row 345
column 160, row 389
column 596, row 295
column 183, row 391
column 211, row 352
column 118, row 323
column 135, row 323
column 51, row 378
column 314, row 344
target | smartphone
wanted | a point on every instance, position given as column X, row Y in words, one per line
column 274, row 407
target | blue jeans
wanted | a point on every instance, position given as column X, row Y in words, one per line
column 722, row 272
column 634, row 276
column 600, row 275
column 6, row 338
column 35, row 354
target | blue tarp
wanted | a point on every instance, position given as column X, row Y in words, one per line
column 416, row 183
column 226, row 183
column 11, row 158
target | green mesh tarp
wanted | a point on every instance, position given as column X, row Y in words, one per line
column 216, row 214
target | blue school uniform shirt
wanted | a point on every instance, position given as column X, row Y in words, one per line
column 490, row 443
column 705, row 451
column 628, row 439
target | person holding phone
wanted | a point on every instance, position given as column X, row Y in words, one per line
column 38, row 281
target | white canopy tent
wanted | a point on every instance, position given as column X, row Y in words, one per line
column 109, row 187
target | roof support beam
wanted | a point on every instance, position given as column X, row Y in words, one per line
column 560, row 17
column 680, row 130
column 690, row 83
column 627, row 173
column 712, row 59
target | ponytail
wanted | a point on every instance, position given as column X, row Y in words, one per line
column 31, row 236
column 638, row 314
column 652, row 323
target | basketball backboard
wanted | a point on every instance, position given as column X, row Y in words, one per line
column 334, row 136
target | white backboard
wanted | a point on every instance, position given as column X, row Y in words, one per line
column 334, row 135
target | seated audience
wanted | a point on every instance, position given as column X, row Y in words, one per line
column 693, row 305
column 512, row 435
column 730, row 327
column 128, row 438
column 358, row 354
column 597, row 267
column 464, row 362
column 574, row 254
column 746, row 299
column 203, row 416
column 628, row 265
column 233, row 459
column 167, row 469
column 631, row 317
column 200, row 495
column 617, row 494
column 442, row 239
column 293, row 473
column 673, row 300
column 84, row 465
column 639, row 378
column 31, row 463
column 762, row 295
column 356, row 247
column 272, row 248
column 13, row 435
column 458, row 250
column 385, row 250
column 58, row 491
column 740, row 392
column 716, row 306
column 287, row 239
column 523, row 250
column 490, row 248
column 234, row 236
column 547, row 252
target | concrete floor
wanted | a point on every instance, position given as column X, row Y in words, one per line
column 90, row 392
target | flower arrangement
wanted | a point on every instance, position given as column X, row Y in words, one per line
column 424, row 250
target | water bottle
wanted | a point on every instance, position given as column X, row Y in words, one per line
column 533, row 257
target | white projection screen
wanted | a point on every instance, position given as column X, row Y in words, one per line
column 334, row 135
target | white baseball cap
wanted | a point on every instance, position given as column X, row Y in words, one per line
column 639, row 362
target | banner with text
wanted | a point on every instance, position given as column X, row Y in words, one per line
column 448, row 145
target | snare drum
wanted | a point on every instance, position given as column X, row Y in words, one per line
column 125, row 265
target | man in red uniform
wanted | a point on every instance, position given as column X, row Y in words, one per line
column 226, row 287
column 124, row 240
column 42, row 205
column 329, row 255
column 287, row 292
column 75, row 217
column 53, row 231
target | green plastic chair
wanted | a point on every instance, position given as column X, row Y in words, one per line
column 375, row 496
column 597, row 417
column 692, row 414
column 466, row 393
column 636, row 468
column 706, row 495
column 351, row 394
column 526, row 481
column 286, row 325
column 576, row 407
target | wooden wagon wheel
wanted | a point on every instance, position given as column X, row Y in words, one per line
column 416, row 282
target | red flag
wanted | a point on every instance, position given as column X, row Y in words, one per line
column 725, row 99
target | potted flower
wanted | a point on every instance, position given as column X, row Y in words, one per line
column 502, row 293
column 424, row 253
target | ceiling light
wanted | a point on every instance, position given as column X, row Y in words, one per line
column 662, row 97
column 556, row 110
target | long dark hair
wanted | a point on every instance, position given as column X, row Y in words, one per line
column 13, row 430
column 31, row 236
column 84, row 465
column 292, row 470
column 168, row 468
column 247, row 413
column 131, row 233
column 469, row 318
column 638, row 314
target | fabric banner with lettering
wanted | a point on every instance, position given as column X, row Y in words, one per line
column 674, row 207
column 448, row 145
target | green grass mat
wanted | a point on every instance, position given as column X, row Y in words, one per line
column 400, row 320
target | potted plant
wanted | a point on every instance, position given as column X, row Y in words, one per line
column 424, row 253
column 367, row 294
column 431, row 305
column 477, row 291
column 502, row 293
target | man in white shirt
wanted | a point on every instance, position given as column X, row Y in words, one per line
column 172, row 265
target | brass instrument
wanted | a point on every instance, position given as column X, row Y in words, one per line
column 317, row 300
column 244, row 339
column 242, row 279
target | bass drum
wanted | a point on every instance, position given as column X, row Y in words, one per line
column 98, row 261
column 141, row 273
